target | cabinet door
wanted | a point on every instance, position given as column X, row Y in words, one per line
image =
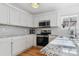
column 53, row 20
column 19, row 45
column 23, row 19
column 14, row 17
column 34, row 40
column 30, row 20
column 5, row 47
column 4, row 14
column 36, row 21
column 29, row 41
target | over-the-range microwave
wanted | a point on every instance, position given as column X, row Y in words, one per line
column 44, row 24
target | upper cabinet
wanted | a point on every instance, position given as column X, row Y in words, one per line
column 36, row 21
column 53, row 20
column 4, row 14
column 23, row 20
column 14, row 17
column 50, row 16
column 20, row 18
column 29, row 20
column 26, row 19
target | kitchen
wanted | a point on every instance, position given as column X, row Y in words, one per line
column 22, row 26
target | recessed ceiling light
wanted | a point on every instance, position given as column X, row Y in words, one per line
column 35, row 5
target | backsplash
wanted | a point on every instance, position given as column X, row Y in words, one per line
column 13, row 30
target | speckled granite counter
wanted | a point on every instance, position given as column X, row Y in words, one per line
column 7, row 36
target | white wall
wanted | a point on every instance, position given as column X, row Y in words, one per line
column 68, row 12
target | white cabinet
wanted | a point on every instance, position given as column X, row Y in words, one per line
column 19, row 44
column 16, row 45
column 30, row 40
column 34, row 40
column 36, row 21
column 53, row 20
column 20, row 18
column 5, row 47
column 4, row 14
column 29, row 20
column 52, row 17
column 24, row 20
column 14, row 16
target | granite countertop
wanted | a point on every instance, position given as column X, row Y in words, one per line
column 7, row 36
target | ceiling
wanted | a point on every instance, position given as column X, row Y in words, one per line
column 44, row 7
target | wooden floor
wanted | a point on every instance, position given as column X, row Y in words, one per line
column 34, row 51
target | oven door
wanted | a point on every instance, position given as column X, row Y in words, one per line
column 42, row 41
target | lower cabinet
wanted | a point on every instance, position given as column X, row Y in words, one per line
column 34, row 40
column 5, row 47
column 15, row 45
column 31, row 40
column 19, row 44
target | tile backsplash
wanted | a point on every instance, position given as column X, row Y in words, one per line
column 13, row 30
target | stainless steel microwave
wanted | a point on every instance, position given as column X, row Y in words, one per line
column 44, row 24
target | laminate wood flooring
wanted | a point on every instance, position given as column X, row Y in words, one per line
column 34, row 51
